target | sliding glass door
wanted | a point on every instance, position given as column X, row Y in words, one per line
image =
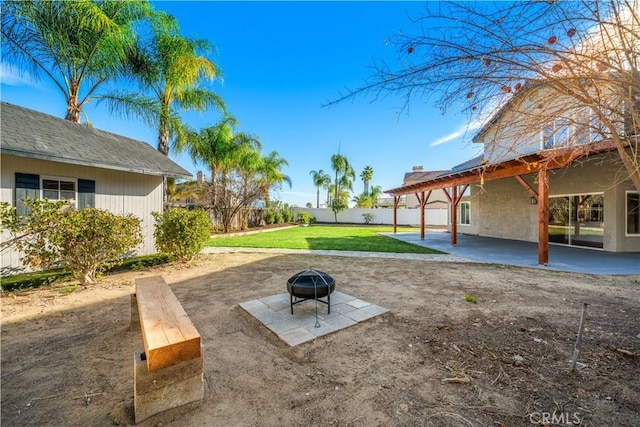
column 577, row 220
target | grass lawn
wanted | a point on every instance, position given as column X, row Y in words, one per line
column 328, row 237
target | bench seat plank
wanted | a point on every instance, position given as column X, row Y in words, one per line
column 169, row 335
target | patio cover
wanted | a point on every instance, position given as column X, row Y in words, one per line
column 479, row 171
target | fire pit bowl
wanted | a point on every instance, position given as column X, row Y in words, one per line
column 311, row 284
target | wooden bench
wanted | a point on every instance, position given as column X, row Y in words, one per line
column 168, row 373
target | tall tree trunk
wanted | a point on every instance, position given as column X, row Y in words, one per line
column 214, row 185
column 73, row 109
column 318, row 199
column 163, row 142
column 163, row 130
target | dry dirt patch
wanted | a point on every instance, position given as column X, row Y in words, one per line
column 68, row 359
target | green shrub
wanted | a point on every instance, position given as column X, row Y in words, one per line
column 31, row 280
column 267, row 216
column 84, row 242
column 305, row 218
column 37, row 279
column 287, row 213
column 277, row 217
column 368, row 217
column 181, row 234
column 140, row 262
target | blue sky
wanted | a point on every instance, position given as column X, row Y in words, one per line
column 282, row 61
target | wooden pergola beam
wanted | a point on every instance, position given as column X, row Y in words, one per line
column 548, row 160
column 527, row 187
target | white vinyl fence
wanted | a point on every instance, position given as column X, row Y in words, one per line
column 380, row 216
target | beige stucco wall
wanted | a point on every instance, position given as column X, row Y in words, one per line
column 118, row 192
column 503, row 208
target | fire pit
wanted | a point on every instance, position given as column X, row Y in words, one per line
column 311, row 284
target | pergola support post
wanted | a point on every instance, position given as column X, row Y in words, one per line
column 454, row 215
column 423, row 198
column 543, row 217
column 396, row 202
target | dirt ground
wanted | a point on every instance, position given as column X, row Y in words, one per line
column 67, row 359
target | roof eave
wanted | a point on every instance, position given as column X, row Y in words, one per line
column 80, row 162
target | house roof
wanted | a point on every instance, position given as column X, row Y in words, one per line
column 31, row 134
column 469, row 164
column 421, row 175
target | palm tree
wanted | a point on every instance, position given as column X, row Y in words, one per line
column 321, row 179
column 344, row 173
column 171, row 73
column 272, row 174
column 74, row 44
column 234, row 160
column 213, row 146
column 376, row 191
column 362, row 200
column 249, row 164
column 366, row 176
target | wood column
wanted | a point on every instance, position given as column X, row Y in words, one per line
column 454, row 215
column 396, row 201
column 543, row 217
column 423, row 198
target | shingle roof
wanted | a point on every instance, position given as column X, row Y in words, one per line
column 422, row 175
column 469, row 164
column 29, row 133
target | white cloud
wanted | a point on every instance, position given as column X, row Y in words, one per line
column 461, row 131
column 11, row 76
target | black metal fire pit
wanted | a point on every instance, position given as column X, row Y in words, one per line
column 311, row 284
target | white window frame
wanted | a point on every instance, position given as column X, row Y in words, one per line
column 554, row 128
column 468, row 203
column 72, row 202
column 589, row 123
column 626, row 214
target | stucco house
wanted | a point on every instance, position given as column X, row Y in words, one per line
column 552, row 181
column 47, row 157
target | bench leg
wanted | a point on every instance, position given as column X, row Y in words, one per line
column 135, row 317
column 166, row 388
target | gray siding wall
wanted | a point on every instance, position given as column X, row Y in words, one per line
column 118, row 192
column 503, row 208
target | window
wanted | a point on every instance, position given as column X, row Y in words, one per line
column 589, row 128
column 633, row 213
column 465, row 213
column 577, row 220
column 80, row 193
column 555, row 135
column 54, row 190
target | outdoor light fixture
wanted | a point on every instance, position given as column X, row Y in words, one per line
column 534, row 201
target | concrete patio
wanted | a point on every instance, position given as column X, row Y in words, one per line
column 525, row 254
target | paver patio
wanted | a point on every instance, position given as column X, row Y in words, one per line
column 274, row 312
